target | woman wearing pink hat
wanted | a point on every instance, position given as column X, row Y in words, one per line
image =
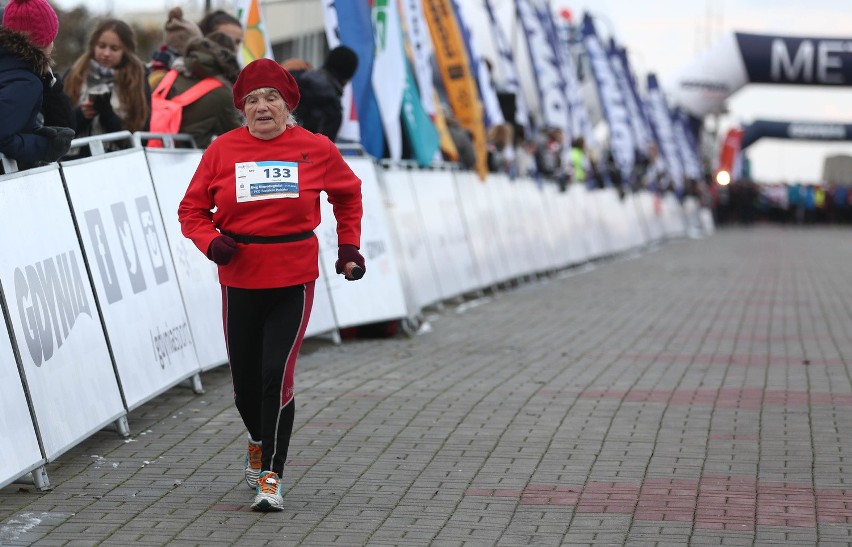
column 26, row 43
column 264, row 181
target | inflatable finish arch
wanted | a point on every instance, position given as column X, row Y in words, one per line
column 802, row 131
column 739, row 59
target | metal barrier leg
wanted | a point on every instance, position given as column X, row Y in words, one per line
column 122, row 426
column 40, row 479
column 197, row 388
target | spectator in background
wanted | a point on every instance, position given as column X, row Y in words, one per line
column 223, row 21
column 579, row 160
column 107, row 84
column 213, row 113
column 320, row 110
column 462, row 139
column 501, row 152
column 177, row 34
column 549, row 157
column 26, row 43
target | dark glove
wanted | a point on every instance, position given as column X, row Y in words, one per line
column 222, row 249
column 348, row 253
column 59, row 141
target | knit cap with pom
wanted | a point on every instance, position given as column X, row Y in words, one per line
column 179, row 31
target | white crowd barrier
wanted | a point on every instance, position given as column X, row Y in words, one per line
column 107, row 304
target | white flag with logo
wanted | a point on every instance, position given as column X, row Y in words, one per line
column 389, row 71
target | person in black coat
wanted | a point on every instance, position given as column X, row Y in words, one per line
column 28, row 134
column 320, row 110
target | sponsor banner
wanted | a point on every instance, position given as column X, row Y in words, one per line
column 422, row 134
column 487, row 94
column 379, row 295
column 548, row 74
column 505, row 65
column 455, row 70
column 53, row 313
column 416, row 266
column 133, row 274
column 581, row 123
column 616, row 113
column 806, row 131
column 688, row 152
column 197, row 276
column 702, row 87
column 19, row 450
column 661, row 124
column 435, row 192
column 638, row 119
column 797, row 61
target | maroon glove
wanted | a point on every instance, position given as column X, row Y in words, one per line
column 349, row 253
column 222, row 249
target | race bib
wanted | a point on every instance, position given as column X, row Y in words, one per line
column 267, row 180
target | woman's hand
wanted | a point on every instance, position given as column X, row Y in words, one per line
column 87, row 107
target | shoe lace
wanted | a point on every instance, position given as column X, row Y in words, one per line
column 268, row 483
column 255, row 455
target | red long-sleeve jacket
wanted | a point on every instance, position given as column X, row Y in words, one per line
column 211, row 203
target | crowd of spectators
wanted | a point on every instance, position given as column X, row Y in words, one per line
column 748, row 202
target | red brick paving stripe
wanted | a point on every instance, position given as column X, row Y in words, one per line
column 713, row 503
column 741, row 398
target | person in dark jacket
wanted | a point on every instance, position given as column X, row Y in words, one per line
column 26, row 42
column 321, row 110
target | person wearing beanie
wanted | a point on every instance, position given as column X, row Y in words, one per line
column 252, row 207
column 26, row 43
column 107, row 84
column 213, row 113
column 322, row 89
column 176, row 36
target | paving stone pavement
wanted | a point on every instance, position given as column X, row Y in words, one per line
column 696, row 394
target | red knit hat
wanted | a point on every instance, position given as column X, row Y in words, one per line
column 265, row 73
column 35, row 18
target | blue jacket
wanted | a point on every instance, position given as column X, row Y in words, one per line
column 22, row 67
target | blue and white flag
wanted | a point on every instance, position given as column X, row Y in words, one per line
column 581, row 122
column 642, row 135
column 661, row 124
column 548, row 75
column 491, row 106
column 356, row 31
column 621, row 141
column 507, row 68
column 686, row 146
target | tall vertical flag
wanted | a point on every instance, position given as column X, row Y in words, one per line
column 454, row 68
column 686, row 146
column 418, row 126
column 388, row 71
column 581, row 123
column 356, row 31
column 350, row 129
column 661, row 124
column 549, row 83
column 491, row 106
column 612, row 101
column 421, row 51
column 255, row 39
column 642, row 135
column 506, row 67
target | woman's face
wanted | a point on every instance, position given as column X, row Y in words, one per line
column 266, row 113
column 234, row 31
column 109, row 51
